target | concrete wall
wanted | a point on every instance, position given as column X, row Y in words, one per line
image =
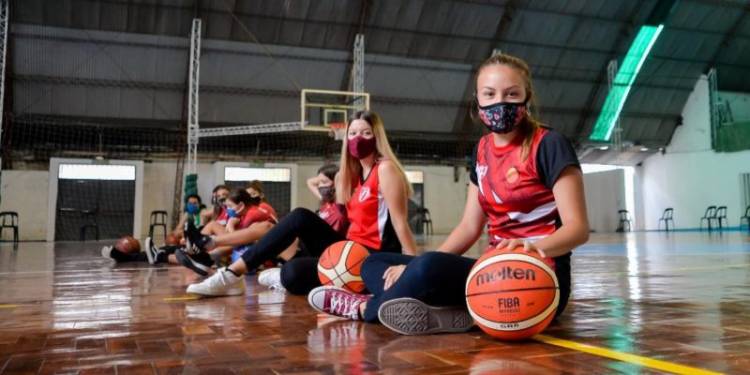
column 443, row 195
column 20, row 189
column 689, row 176
column 605, row 195
column 26, row 193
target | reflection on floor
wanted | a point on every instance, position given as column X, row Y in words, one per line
column 682, row 298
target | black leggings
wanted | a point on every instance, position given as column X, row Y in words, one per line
column 299, row 275
column 435, row 278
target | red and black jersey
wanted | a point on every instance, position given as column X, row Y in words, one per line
column 516, row 193
column 255, row 214
column 268, row 209
column 369, row 220
column 335, row 215
column 223, row 217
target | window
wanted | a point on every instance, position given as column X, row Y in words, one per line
column 96, row 172
column 260, row 174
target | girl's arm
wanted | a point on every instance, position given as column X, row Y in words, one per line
column 206, row 215
column 469, row 229
column 181, row 224
column 337, row 184
column 231, row 224
column 571, row 205
column 312, row 185
column 393, row 187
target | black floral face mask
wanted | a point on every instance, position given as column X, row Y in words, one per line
column 502, row 117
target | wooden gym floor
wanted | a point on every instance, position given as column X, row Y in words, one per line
column 642, row 303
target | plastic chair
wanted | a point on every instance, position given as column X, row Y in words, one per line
column 158, row 219
column 91, row 215
column 721, row 214
column 624, row 220
column 746, row 218
column 426, row 220
column 666, row 217
column 9, row 219
column 709, row 216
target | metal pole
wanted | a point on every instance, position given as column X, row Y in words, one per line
column 194, row 79
column 611, row 74
column 4, row 15
column 358, row 68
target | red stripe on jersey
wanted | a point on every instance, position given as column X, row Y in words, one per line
column 512, row 195
column 367, row 212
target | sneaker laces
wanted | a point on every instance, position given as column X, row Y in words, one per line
column 345, row 304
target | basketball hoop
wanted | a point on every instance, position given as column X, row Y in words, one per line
column 329, row 111
column 338, row 130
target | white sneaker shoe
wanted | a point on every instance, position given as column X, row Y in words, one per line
column 150, row 251
column 221, row 283
column 106, row 251
column 271, row 278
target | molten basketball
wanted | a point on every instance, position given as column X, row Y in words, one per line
column 128, row 244
column 512, row 295
column 340, row 265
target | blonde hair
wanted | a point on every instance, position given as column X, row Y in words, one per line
column 530, row 124
column 350, row 169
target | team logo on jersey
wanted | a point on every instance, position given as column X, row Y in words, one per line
column 324, row 215
column 511, row 175
column 364, row 193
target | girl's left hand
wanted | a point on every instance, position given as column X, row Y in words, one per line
column 514, row 243
column 391, row 275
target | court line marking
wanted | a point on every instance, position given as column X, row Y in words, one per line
column 624, row 357
column 182, row 298
column 8, row 306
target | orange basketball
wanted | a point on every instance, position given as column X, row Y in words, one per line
column 172, row 240
column 128, row 244
column 512, row 295
column 340, row 265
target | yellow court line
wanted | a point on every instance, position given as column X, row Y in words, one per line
column 624, row 357
column 182, row 298
column 8, row 306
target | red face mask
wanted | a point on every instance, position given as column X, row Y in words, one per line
column 360, row 147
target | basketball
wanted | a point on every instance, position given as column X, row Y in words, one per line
column 128, row 244
column 512, row 295
column 340, row 265
column 172, row 240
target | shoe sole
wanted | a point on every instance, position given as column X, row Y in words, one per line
column 149, row 252
column 188, row 262
column 106, row 251
column 409, row 316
